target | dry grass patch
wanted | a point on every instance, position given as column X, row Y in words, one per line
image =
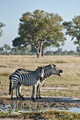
column 69, row 79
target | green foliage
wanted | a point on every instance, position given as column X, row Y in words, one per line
column 73, row 29
column 10, row 110
column 40, row 30
column 1, row 25
column 6, row 47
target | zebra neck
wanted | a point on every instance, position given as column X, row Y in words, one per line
column 47, row 74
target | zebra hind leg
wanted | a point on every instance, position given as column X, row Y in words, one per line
column 12, row 91
column 19, row 92
column 17, row 95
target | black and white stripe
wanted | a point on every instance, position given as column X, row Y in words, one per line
column 25, row 77
column 48, row 71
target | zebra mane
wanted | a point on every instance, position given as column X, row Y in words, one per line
column 38, row 68
column 23, row 69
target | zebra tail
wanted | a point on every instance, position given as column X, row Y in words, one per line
column 10, row 85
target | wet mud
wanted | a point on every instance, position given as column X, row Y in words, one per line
column 40, row 105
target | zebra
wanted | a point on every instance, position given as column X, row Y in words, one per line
column 48, row 71
column 28, row 78
column 23, row 70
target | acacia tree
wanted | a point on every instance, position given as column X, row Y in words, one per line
column 39, row 29
column 1, row 25
column 73, row 29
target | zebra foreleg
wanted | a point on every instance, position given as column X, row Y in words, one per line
column 38, row 96
column 37, row 91
column 33, row 92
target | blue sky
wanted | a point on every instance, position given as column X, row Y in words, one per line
column 12, row 10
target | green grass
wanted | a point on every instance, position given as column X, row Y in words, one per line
column 50, row 115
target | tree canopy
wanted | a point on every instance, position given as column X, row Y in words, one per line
column 73, row 29
column 40, row 29
column 1, row 25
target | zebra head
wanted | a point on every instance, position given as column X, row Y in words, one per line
column 55, row 70
column 51, row 69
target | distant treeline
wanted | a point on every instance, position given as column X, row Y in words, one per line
column 6, row 50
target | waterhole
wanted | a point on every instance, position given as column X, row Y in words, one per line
column 43, row 105
column 10, row 108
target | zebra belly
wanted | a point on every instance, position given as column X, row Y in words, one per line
column 29, row 80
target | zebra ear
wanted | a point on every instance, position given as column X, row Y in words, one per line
column 54, row 65
column 39, row 67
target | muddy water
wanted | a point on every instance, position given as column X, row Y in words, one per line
column 7, row 108
column 41, row 105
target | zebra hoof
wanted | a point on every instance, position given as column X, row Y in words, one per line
column 37, row 98
column 22, row 97
column 40, row 97
column 11, row 98
column 33, row 99
column 17, row 97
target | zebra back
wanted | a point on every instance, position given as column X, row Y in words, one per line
column 27, row 77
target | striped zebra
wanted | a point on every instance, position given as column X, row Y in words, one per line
column 48, row 71
column 26, row 78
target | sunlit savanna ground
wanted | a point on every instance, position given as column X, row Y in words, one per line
column 68, row 85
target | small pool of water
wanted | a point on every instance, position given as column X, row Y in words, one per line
column 70, row 109
column 8, row 108
column 74, row 109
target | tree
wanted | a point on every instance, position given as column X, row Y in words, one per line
column 1, row 49
column 78, row 49
column 73, row 29
column 40, row 29
column 1, row 25
column 6, row 47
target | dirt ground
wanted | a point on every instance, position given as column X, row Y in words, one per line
column 46, row 101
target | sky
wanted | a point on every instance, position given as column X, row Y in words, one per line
column 12, row 10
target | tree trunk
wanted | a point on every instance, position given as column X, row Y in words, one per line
column 42, row 52
column 39, row 50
